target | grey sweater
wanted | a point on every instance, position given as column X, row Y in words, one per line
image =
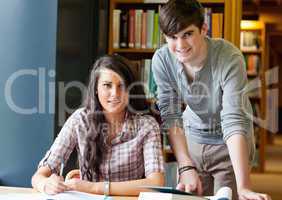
column 215, row 104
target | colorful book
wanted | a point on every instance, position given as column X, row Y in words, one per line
column 116, row 28
column 124, row 19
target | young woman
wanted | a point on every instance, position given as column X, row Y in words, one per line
column 118, row 148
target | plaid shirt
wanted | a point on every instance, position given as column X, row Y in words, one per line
column 134, row 153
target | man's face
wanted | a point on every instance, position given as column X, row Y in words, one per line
column 187, row 45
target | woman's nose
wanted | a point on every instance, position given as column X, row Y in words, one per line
column 115, row 91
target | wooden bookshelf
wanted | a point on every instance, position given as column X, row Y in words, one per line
column 231, row 11
column 257, row 29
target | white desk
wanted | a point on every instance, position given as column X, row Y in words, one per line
column 30, row 190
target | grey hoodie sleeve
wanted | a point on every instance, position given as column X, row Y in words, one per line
column 236, row 114
column 169, row 100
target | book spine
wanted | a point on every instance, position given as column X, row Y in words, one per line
column 208, row 20
column 124, row 29
column 156, row 37
column 131, row 28
column 217, row 25
column 138, row 25
column 116, row 28
column 144, row 31
column 150, row 28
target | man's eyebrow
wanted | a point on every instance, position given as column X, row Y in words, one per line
column 188, row 31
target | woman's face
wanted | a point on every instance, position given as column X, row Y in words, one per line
column 112, row 92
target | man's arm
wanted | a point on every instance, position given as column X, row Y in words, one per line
column 178, row 144
column 237, row 147
column 188, row 180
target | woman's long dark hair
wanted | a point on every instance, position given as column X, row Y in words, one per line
column 97, row 137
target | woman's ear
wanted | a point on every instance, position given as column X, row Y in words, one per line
column 204, row 29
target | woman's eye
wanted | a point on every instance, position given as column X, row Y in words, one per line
column 107, row 85
column 122, row 86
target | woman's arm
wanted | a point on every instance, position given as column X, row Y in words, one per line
column 44, row 181
column 125, row 188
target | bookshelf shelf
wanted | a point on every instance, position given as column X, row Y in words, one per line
column 227, row 22
column 163, row 1
column 258, row 51
column 134, row 50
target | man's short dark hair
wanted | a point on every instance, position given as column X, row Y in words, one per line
column 177, row 15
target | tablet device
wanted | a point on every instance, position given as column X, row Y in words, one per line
column 166, row 190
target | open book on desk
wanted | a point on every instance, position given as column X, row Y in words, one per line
column 166, row 193
column 68, row 195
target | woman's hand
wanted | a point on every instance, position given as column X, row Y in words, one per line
column 54, row 184
column 73, row 174
column 83, row 186
column 189, row 181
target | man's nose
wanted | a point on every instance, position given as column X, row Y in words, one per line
column 180, row 43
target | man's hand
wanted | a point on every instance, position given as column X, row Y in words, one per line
column 189, row 181
column 246, row 194
column 54, row 185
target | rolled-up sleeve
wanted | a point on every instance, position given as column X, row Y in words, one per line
column 236, row 109
column 152, row 147
column 169, row 100
column 62, row 146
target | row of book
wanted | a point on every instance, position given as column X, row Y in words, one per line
column 137, row 28
column 214, row 22
column 252, row 64
column 143, row 69
column 249, row 40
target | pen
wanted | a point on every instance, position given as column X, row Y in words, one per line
column 62, row 166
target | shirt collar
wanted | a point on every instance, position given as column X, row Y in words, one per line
column 128, row 131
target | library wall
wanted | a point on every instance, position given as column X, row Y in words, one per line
column 274, row 16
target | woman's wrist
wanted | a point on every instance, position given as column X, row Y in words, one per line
column 41, row 186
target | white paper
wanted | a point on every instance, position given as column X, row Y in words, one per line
column 224, row 193
column 68, row 195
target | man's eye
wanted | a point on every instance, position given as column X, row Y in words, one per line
column 186, row 35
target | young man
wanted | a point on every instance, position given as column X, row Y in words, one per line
column 209, row 77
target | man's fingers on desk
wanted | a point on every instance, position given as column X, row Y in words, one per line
column 199, row 188
column 190, row 188
column 250, row 195
column 180, row 186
